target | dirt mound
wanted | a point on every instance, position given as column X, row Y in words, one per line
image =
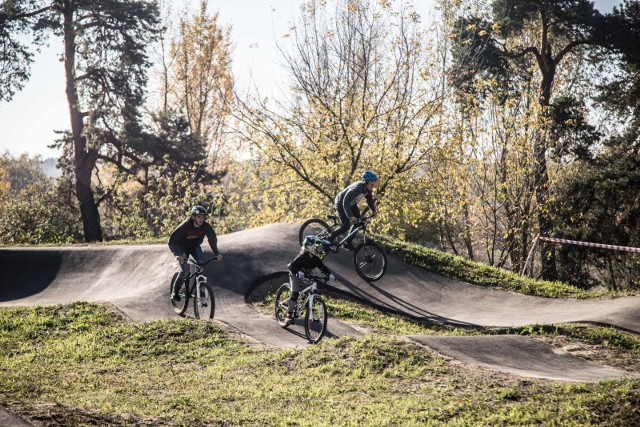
column 135, row 279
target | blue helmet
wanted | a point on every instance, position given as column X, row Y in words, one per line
column 368, row 176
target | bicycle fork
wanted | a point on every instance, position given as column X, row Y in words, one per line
column 313, row 316
column 200, row 279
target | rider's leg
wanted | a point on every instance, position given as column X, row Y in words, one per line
column 345, row 224
column 355, row 210
column 197, row 254
column 184, row 273
column 296, row 284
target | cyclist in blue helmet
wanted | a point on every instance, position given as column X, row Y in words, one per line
column 346, row 204
column 186, row 239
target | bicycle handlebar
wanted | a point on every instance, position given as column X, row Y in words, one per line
column 314, row 278
column 194, row 262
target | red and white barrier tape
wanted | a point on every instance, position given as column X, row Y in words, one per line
column 594, row 245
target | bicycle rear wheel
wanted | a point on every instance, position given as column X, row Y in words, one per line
column 179, row 306
column 204, row 303
column 315, row 320
column 370, row 261
column 314, row 227
column 282, row 304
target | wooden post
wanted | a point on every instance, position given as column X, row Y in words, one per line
column 533, row 245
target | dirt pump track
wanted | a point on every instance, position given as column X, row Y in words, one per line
column 135, row 279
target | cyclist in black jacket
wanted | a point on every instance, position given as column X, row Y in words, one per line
column 311, row 255
column 186, row 239
column 346, row 204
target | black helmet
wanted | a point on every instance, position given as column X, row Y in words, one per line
column 198, row 210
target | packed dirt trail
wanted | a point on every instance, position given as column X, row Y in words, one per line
column 135, row 279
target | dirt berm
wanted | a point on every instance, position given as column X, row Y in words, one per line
column 135, row 279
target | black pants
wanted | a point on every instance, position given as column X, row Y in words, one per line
column 197, row 254
column 346, row 223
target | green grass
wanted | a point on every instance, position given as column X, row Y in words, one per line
column 605, row 336
column 81, row 364
column 481, row 274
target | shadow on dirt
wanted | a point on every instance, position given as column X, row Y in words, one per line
column 42, row 268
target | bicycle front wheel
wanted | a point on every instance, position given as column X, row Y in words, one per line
column 282, row 304
column 370, row 261
column 204, row 303
column 179, row 305
column 314, row 227
column 315, row 320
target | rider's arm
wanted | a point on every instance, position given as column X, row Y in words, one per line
column 212, row 238
column 323, row 268
column 297, row 264
column 371, row 203
column 176, row 235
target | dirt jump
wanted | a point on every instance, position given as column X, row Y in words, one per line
column 135, row 279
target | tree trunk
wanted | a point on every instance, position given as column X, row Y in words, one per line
column 88, row 206
column 548, row 253
column 84, row 159
column 541, row 176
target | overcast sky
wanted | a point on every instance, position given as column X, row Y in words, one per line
column 27, row 123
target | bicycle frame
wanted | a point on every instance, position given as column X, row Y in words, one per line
column 199, row 277
column 309, row 293
column 309, row 306
column 369, row 259
column 355, row 228
column 193, row 286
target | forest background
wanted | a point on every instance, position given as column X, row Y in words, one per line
column 493, row 123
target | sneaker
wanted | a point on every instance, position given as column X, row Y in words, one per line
column 289, row 320
column 175, row 296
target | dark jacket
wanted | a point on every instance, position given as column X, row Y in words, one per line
column 186, row 236
column 350, row 196
column 307, row 262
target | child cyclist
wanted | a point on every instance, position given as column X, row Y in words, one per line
column 311, row 255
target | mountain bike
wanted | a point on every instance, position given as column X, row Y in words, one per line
column 369, row 259
column 195, row 286
column 310, row 305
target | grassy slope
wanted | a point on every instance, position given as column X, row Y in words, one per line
column 81, row 364
column 482, row 274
